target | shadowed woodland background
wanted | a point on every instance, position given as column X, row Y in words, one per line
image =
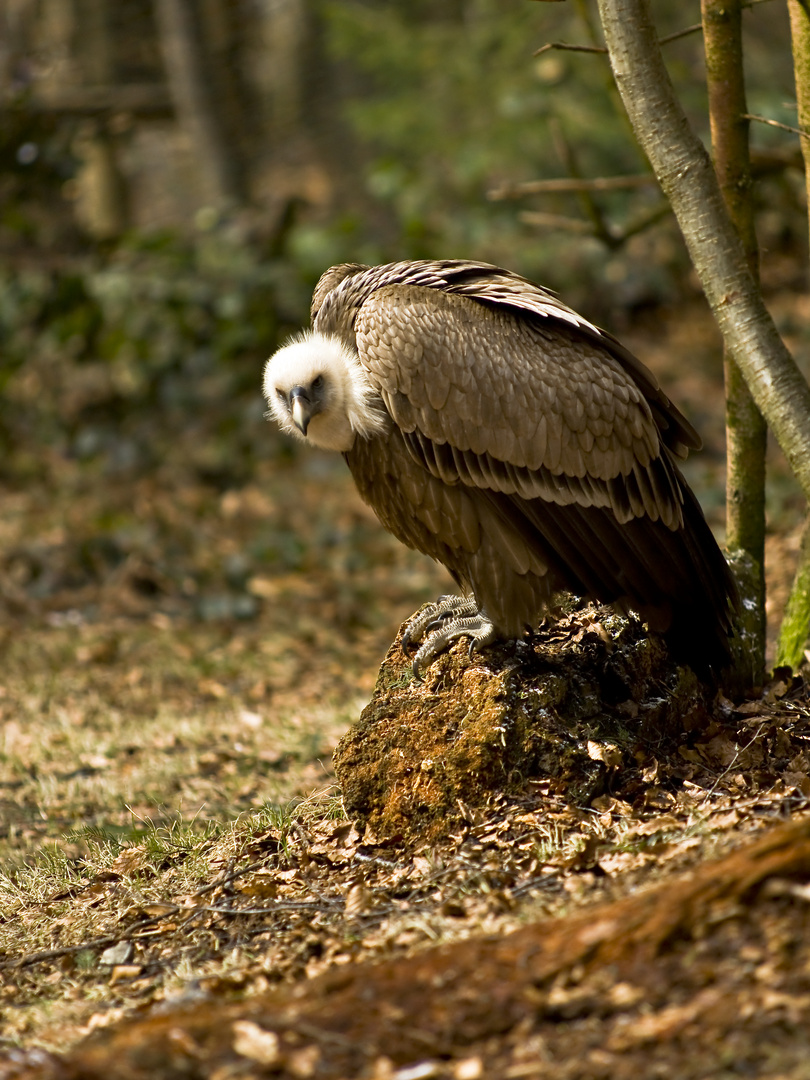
column 192, row 610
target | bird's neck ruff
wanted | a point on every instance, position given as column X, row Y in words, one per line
column 351, row 406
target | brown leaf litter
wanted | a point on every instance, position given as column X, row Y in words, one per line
column 709, row 972
column 616, row 781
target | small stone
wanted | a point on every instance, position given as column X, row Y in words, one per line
column 116, row 954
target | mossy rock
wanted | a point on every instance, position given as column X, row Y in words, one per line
column 581, row 703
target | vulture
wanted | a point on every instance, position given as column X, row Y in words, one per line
column 491, row 427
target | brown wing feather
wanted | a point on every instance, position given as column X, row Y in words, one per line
column 343, row 288
column 528, row 419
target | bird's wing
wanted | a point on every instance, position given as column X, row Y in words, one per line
column 502, row 288
column 493, row 399
column 346, row 286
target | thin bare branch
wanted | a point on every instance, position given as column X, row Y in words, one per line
column 588, row 204
column 571, row 183
column 563, row 46
column 67, row 950
column 228, row 877
column 685, row 32
column 695, row 28
column 619, row 235
column 646, row 219
column 688, row 179
column 557, row 221
column 776, row 123
column 280, row 905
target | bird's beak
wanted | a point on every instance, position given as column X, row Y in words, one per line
column 300, row 408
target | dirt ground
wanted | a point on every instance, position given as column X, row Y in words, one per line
column 182, row 890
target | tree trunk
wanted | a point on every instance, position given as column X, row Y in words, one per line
column 182, row 41
column 103, row 206
column 794, row 629
column 746, row 432
column 688, row 179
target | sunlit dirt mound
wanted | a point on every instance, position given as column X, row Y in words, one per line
column 584, row 703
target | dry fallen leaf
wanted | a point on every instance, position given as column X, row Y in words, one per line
column 605, row 752
column 303, row 1063
column 255, row 1042
column 471, row 1068
column 358, row 899
column 129, row 860
column 261, row 884
column 122, row 972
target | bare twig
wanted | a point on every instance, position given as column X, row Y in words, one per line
column 619, row 235
column 563, row 46
column 588, row 204
column 776, row 123
column 279, row 905
column 737, row 752
column 685, row 32
column 695, row 28
column 67, row 950
column 190, row 910
column 571, row 183
column 644, row 220
column 227, row 877
column 557, row 221
column 688, row 179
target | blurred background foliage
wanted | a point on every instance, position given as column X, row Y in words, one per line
column 174, row 176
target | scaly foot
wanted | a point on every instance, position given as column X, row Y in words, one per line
column 441, row 623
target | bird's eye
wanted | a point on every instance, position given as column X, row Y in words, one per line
column 317, row 382
column 281, row 394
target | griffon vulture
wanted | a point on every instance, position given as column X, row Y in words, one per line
column 494, row 429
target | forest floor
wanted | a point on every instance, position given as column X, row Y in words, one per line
column 181, row 892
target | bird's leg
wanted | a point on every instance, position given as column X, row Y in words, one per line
column 441, row 623
column 433, row 615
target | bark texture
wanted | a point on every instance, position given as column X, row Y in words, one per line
column 793, row 633
column 688, row 179
column 746, row 430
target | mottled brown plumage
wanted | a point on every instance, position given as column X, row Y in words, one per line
column 499, row 432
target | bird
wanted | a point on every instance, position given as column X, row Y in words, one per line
column 494, row 429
